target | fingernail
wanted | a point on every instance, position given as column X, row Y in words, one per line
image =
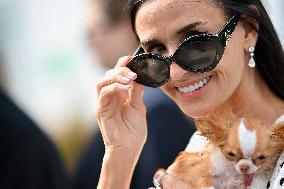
column 125, row 79
column 122, row 59
column 132, row 75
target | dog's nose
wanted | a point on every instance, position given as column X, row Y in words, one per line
column 244, row 168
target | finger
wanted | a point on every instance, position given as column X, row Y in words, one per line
column 136, row 95
column 121, row 75
column 124, row 71
column 167, row 181
column 137, row 90
column 107, row 93
column 123, row 61
column 159, row 177
column 159, row 174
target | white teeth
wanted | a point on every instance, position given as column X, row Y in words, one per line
column 200, row 84
column 191, row 88
column 194, row 86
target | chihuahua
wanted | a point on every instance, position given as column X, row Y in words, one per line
column 241, row 154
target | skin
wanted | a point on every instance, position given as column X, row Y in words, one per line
column 233, row 86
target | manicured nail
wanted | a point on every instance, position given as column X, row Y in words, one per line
column 132, row 75
column 121, row 60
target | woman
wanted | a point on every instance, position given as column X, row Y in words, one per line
column 238, row 69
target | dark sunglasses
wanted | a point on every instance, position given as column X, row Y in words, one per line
column 197, row 53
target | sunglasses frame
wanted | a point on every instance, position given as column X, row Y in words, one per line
column 222, row 37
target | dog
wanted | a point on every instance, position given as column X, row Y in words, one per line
column 241, row 154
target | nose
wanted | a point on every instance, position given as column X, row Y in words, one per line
column 244, row 168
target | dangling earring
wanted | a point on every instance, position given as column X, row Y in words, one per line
column 251, row 60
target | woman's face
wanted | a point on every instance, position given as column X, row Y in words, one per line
column 163, row 24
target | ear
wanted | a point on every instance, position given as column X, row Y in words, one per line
column 277, row 134
column 215, row 128
column 251, row 27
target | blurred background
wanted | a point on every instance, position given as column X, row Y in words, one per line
column 49, row 72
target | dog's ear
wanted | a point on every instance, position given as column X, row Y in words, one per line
column 216, row 127
column 277, row 134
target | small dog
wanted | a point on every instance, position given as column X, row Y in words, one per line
column 241, row 154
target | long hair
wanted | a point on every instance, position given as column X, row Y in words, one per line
column 269, row 54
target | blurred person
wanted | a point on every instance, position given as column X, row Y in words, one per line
column 111, row 36
column 109, row 33
column 28, row 158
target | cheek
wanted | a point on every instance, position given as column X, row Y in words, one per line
column 234, row 56
column 230, row 71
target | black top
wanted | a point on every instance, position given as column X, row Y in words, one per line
column 169, row 132
column 28, row 159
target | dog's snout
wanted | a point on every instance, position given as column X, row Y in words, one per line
column 244, row 168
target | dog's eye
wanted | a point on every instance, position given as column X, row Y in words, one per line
column 231, row 154
column 259, row 160
column 262, row 157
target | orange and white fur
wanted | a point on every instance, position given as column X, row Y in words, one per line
column 241, row 154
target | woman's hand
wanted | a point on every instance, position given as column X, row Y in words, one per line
column 168, row 181
column 121, row 112
column 121, row 115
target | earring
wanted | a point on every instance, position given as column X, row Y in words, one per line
column 251, row 60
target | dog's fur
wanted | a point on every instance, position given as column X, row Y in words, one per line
column 241, row 154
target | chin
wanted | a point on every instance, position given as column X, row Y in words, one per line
column 196, row 113
column 198, row 109
column 233, row 158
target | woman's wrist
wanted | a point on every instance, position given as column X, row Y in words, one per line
column 122, row 155
column 117, row 168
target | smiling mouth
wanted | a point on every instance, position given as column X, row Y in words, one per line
column 195, row 86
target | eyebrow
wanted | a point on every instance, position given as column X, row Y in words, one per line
column 189, row 27
column 184, row 29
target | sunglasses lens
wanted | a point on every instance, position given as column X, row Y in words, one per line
column 199, row 54
column 152, row 71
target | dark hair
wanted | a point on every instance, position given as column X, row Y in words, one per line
column 269, row 54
